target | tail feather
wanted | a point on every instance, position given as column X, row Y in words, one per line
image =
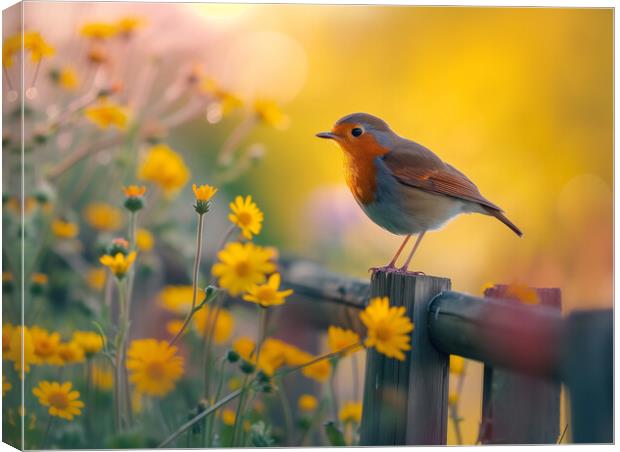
column 501, row 217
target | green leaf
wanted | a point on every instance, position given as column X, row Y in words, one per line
column 334, row 435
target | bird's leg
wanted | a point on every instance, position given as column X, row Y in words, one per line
column 415, row 247
column 393, row 261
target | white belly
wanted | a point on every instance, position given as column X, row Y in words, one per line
column 405, row 210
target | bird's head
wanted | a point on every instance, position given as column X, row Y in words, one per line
column 362, row 135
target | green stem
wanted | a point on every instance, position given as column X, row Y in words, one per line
column 119, row 361
column 189, row 315
column 50, row 421
column 228, row 398
column 286, row 409
column 332, row 390
column 209, row 427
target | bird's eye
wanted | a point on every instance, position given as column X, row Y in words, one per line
column 356, row 132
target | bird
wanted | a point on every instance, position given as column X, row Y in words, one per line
column 402, row 186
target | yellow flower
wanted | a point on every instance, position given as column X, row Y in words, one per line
column 247, row 216
column 134, row 191
column 339, row 338
column 102, row 377
column 6, row 385
column 10, row 47
column 307, row 403
column 270, row 113
column 351, row 412
column 99, row 30
column 178, row 299
column 119, row 264
column 68, row 79
column 522, row 293
column 64, row 229
column 128, row 25
column 144, row 240
column 96, row 278
column 61, row 400
column 453, row 398
column 267, row 294
column 37, row 46
column 204, row 192
column 7, row 331
column 103, row 216
column 165, row 168
column 318, row 371
column 457, row 364
column 106, row 114
column 272, row 355
column 39, row 278
column 71, row 352
column 46, row 346
column 154, row 367
column 90, row 342
column 223, row 327
column 388, row 328
column 228, row 416
column 21, row 347
column 244, row 346
column 174, row 326
column 241, row 265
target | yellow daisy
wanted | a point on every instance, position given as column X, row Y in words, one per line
column 10, row 47
column 68, row 79
column 244, row 346
column 228, row 416
column 154, row 366
column 388, row 328
column 134, row 191
column 267, row 294
column 64, row 229
column 270, row 113
column 103, row 216
column 102, row 377
column 107, row 114
column 246, row 215
column 144, row 240
column 6, row 385
column 223, row 327
column 90, row 341
column 178, row 299
column 307, row 403
column 164, row 167
column 38, row 47
column 204, row 192
column 21, row 347
column 61, row 400
column 99, row 30
column 339, row 338
column 119, row 264
column 71, row 352
column 242, row 265
column 46, row 346
column 351, row 412
column 95, row 278
column 128, row 25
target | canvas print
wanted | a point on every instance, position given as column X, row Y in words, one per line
column 298, row 225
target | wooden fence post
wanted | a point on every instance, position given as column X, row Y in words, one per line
column 518, row 408
column 588, row 370
column 406, row 402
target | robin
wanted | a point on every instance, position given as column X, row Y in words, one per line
column 401, row 185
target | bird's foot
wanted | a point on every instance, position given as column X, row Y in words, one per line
column 404, row 271
column 384, row 268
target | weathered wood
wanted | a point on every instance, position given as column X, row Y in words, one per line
column 309, row 279
column 517, row 408
column 588, row 373
column 406, row 402
column 510, row 335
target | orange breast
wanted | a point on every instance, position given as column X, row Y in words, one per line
column 360, row 174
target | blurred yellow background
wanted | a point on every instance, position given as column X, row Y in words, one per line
column 519, row 99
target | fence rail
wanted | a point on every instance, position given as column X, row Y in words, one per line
column 527, row 350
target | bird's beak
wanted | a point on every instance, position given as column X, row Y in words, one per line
column 327, row 135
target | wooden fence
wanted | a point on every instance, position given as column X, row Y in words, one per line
column 528, row 352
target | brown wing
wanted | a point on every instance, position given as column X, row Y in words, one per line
column 415, row 166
